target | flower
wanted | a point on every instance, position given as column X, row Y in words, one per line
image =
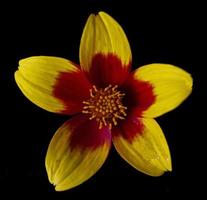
column 109, row 104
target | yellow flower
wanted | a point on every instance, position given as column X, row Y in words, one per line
column 110, row 104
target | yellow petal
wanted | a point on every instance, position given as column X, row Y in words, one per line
column 103, row 35
column 147, row 150
column 171, row 84
column 38, row 78
column 76, row 152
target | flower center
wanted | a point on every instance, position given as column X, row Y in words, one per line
column 105, row 106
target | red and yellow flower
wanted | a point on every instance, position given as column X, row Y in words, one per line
column 109, row 104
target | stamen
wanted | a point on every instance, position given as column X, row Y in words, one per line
column 104, row 121
column 100, row 125
column 118, row 116
column 85, row 102
column 114, row 88
column 107, row 88
column 85, row 111
column 91, row 93
column 95, row 89
column 114, row 120
column 92, row 117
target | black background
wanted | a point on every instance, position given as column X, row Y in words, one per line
column 165, row 32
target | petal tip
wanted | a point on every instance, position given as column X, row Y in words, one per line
column 15, row 75
column 169, row 167
column 59, row 188
column 190, row 84
column 102, row 13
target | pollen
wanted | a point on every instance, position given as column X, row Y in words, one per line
column 105, row 106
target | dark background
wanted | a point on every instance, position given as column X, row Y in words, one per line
column 162, row 32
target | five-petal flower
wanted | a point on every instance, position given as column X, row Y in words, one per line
column 109, row 104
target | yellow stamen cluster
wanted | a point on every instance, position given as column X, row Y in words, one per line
column 105, row 106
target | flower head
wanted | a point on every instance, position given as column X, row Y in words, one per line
column 109, row 104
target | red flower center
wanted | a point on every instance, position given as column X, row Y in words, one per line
column 105, row 106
